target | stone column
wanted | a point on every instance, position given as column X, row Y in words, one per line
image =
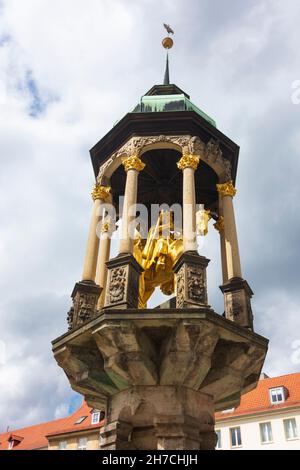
column 86, row 293
column 122, row 289
column 236, row 290
column 100, row 194
column 103, row 258
column 219, row 226
column 188, row 164
column 133, row 165
column 227, row 192
column 190, row 268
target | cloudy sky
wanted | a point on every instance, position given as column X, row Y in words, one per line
column 69, row 69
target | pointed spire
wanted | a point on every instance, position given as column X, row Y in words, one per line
column 167, row 44
column 167, row 72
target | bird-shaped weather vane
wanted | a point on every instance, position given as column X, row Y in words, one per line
column 168, row 28
column 167, row 44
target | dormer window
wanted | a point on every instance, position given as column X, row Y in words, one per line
column 13, row 441
column 97, row 416
column 277, row 395
column 228, row 410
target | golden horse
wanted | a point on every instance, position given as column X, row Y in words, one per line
column 157, row 256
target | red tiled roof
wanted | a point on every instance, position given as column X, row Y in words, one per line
column 258, row 400
column 34, row 437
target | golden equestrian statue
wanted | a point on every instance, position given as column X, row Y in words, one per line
column 157, row 255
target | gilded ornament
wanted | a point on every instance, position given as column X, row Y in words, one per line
column 226, row 189
column 188, row 161
column 101, row 192
column 202, row 218
column 107, row 225
column 219, row 225
column 167, row 43
column 133, row 163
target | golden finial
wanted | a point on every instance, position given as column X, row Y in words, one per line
column 168, row 42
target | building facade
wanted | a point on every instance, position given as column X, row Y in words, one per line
column 268, row 418
column 79, row 431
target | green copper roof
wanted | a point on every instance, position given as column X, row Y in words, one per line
column 174, row 102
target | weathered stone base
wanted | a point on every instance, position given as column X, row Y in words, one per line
column 193, row 348
column 191, row 285
column 237, row 301
column 159, row 417
column 122, row 289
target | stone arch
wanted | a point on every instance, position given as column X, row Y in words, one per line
column 210, row 153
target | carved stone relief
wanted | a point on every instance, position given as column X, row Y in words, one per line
column 117, row 285
column 85, row 298
column 210, row 152
column 180, row 288
column 196, row 285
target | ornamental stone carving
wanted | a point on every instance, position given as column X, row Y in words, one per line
column 237, row 295
column 116, row 292
column 122, row 289
column 191, row 290
column 186, row 144
column 196, row 284
column 70, row 318
column 85, row 297
column 213, row 151
column 180, row 288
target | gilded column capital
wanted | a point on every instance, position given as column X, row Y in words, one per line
column 226, row 189
column 219, row 225
column 133, row 163
column 101, row 192
column 188, row 161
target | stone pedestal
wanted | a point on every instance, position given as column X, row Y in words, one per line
column 159, row 417
column 237, row 295
column 85, row 297
column 161, row 374
column 122, row 290
column 191, row 285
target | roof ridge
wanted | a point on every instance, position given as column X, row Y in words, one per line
column 278, row 377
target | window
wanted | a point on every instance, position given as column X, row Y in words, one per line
column 62, row 445
column 82, row 443
column 265, row 433
column 229, row 410
column 235, row 437
column 290, row 428
column 95, row 417
column 219, row 441
column 10, row 444
column 80, row 420
column 277, row 395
